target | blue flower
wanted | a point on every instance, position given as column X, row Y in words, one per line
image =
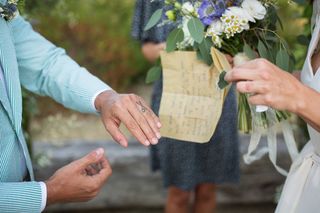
column 209, row 10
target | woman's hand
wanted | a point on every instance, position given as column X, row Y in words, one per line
column 151, row 50
column 269, row 85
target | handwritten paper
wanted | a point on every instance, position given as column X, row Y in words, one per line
column 191, row 103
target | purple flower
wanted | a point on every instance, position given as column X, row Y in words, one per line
column 210, row 10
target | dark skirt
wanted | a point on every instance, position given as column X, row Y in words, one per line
column 186, row 164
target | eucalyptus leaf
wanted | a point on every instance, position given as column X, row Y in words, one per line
column 155, row 18
column 174, row 37
column 251, row 54
column 282, row 60
column 222, row 83
column 153, row 74
column 196, row 29
column 263, row 51
column 205, row 50
column 279, row 21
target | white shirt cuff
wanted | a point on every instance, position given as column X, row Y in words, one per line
column 93, row 100
column 44, row 195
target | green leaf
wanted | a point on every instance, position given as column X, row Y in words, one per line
column 205, row 50
column 282, row 60
column 155, row 18
column 196, row 29
column 222, row 83
column 249, row 51
column 279, row 21
column 153, row 74
column 174, row 37
column 263, row 52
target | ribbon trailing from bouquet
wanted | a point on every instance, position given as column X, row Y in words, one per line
column 258, row 129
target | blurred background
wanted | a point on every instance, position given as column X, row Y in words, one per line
column 97, row 35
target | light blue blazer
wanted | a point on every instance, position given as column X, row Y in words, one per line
column 30, row 60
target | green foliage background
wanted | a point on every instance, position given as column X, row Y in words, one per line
column 95, row 33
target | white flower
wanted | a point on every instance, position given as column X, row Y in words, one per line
column 254, row 8
column 235, row 20
column 217, row 41
column 216, row 27
column 240, row 13
column 188, row 8
column 188, row 40
column 240, row 58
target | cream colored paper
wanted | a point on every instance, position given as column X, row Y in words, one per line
column 191, row 102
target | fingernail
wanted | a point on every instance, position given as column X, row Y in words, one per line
column 159, row 124
column 147, row 143
column 99, row 152
column 122, row 143
column 158, row 135
column 154, row 141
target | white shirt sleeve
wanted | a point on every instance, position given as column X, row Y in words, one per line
column 44, row 195
column 96, row 95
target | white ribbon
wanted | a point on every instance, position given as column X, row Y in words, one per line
column 255, row 153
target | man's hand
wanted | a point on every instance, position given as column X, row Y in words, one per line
column 77, row 182
column 133, row 112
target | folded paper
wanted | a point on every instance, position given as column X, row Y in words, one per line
column 191, row 103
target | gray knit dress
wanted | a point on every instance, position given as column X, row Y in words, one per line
column 185, row 164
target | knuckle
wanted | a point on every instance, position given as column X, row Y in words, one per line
column 132, row 126
column 235, row 74
column 268, row 99
column 261, row 62
column 265, row 75
column 132, row 96
column 94, row 187
column 117, row 106
column 109, row 172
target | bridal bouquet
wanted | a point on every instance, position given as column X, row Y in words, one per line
column 244, row 29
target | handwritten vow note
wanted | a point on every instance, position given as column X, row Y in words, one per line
column 191, row 103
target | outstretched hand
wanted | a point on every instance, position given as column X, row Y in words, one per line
column 133, row 112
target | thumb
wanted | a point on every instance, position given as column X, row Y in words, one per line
column 91, row 158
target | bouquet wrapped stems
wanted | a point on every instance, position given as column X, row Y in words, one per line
column 244, row 114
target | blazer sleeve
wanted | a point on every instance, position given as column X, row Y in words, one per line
column 23, row 197
column 47, row 70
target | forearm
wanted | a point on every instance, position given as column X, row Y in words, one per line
column 23, row 197
column 47, row 70
column 308, row 106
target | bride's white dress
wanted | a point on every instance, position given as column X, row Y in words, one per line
column 301, row 193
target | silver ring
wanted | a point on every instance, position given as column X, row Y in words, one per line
column 143, row 109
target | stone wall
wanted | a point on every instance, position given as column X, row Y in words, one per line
column 132, row 185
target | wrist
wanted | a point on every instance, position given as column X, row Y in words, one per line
column 106, row 95
column 52, row 189
column 300, row 100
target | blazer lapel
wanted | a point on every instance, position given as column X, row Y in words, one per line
column 13, row 105
column 11, row 75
